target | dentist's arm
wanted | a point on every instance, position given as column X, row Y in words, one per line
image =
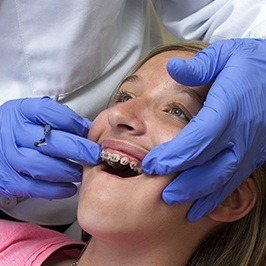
column 44, row 171
column 226, row 141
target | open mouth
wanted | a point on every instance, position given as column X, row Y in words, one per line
column 121, row 166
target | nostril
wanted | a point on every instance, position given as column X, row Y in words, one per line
column 124, row 126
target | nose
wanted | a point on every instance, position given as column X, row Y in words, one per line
column 128, row 117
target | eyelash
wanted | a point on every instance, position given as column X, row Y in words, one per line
column 184, row 114
column 120, row 97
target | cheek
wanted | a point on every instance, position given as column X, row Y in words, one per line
column 98, row 126
column 161, row 132
column 126, row 207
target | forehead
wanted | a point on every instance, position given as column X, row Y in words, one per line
column 154, row 72
column 162, row 58
column 156, row 65
column 154, row 69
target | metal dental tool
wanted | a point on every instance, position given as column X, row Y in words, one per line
column 46, row 131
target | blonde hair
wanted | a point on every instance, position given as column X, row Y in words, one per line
column 241, row 243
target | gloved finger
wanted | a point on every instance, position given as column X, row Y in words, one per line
column 87, row 122
column 208, row 203
column 204, row 66
column 65, row 145
column 202, row 180
column 197, row 143
column 47, row 111
column 61, row 144
column 43, row 167
column 28, row 187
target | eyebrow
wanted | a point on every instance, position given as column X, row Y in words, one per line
column 192, row 93
column 131, row 78
column 180, row 88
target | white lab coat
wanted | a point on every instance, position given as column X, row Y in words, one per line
column 80, row 50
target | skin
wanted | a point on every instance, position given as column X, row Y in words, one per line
column 127, row 216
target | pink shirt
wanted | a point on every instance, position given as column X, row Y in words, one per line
column 24, row 244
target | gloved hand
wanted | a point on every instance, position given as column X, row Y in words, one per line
column 226, row 141
column 26, row 170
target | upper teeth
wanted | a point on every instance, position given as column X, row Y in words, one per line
column 114, row 158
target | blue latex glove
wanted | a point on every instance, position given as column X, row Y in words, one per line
column 26, row 170
column 226, row 141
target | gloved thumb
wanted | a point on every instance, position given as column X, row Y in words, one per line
column 203, row 67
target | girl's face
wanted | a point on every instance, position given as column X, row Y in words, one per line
column 150, row 108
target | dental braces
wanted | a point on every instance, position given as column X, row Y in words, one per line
column 114, row 159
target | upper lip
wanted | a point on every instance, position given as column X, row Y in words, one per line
column 125, row 147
